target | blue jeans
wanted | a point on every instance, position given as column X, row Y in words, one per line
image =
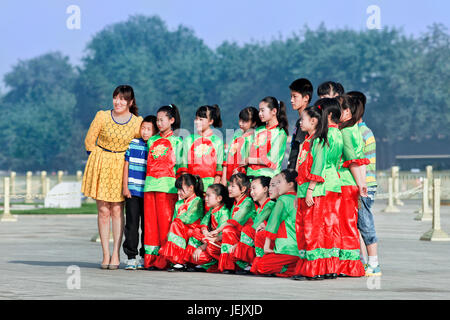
column 366, row 224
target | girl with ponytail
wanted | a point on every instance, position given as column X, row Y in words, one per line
column 186, row 218
column 160, row 194
column 269, row 141
column 311, row 193
column 203, row 150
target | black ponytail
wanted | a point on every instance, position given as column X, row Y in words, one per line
column 191, row 180
column 322, row 123
column 221, row 190
column 273, row 103
column 330, row 106
column 242, row 181
column 250, row 114
column 290, row 175
column 172, row 112
column 265, row 182
column 353, row 103
column 212, row 113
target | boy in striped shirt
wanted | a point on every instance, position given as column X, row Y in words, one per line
column 366, row 223
column 134, row 172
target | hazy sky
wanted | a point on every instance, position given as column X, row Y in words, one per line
column 31, row 28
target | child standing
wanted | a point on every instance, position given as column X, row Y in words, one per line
column 311, row 194
column 283, row 258
column 269, row 144
column 238, row 151
column 301, row 95
column 259, row 191
column 186, row 218
column 242, row 214
column 353, row 185
column 160, row 194
column 204, row 249
column 134, row 172
column 203, row 151
column 366, row 225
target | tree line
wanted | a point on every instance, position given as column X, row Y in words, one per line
column 50, row 103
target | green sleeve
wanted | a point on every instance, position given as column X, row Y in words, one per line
column 245, row 212
column 353, row 144
column 206, row 219
column 277, row 216
column 186, row 146
column 177, row 206
column 264, row 214
column 277, row 149
column 224, row 217
column 178, row 145
column 218, row 145
column 319, row 158
column 193, row 213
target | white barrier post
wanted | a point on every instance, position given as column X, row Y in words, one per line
column 425, row 212
column 391, row 207
column 28, row 196
column 7, row 216
column 436, row 234
column 79, row 175
column 429, row 171
column 396, row 179
column 13, row 183
column 60, row 176
column 44, row 184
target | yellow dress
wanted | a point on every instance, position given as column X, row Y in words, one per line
column 103, row 175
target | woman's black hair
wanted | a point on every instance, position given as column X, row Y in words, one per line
column 242, row 181
column 221, row 190
column 273, row 103
column 212, row 113
column 330, row 106
column 172, row 113
column 250, row 114
column 127, row 93
column 265, row 182
column 190, row 180
column 290, row 175
column 321, row 131
column 362, row 100
column 355, row 105
column 152, row 120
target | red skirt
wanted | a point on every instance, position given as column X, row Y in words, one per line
column 282, row 265
column 158, row 213
column 349, row 256
column 310, row 238
column 175, row 248
column 230, row 237
column 332, row 232
column 245, row 249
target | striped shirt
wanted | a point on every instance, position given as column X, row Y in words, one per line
column 369, row 152
column 136, row 155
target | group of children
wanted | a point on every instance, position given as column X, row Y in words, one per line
column 206, row 208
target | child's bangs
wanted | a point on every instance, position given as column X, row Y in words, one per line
column 202, row 112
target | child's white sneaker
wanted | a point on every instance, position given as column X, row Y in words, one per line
column 131, row 264
column 140, row 263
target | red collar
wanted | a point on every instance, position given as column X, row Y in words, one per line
column 265, row 202
column 167, row 135
column 187, row 200
column 333, row 126
column 216, row 209
column 208, row 134
column 273, row 127
column 292, row 193
column 240, row 201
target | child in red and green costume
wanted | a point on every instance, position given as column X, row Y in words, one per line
column 203, row 151
column 160, row 195
column 353, row 181
column 186, row 218
column 246, row 248
column 203, row 249
column 237, row 155
column 283, row 258
column 311, row 196
column 242, row 214
column 267, row 150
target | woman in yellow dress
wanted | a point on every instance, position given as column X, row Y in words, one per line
column 109, row 136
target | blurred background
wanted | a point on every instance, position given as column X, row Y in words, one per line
column 61, row 60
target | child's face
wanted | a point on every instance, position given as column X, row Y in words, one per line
column 202, row 124
column 346, row 114
column 273, row 188
column 147, row 130
column 257, row 191
column 163, row 122
column 283, row 186
column 265, row 113
column 185, row 192
column 245, row 125
column 298, row 101
column 120, row 104
column 234, row 190
column 307, row 124
column 212, row 200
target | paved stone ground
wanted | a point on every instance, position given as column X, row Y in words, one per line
column 36, row 251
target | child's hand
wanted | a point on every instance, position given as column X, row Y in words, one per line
column 363, row 191
column 126, row 192
column 267, row 250
column 213, row 233
column 309, row 198
column 196, row 254
column 261, row 227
